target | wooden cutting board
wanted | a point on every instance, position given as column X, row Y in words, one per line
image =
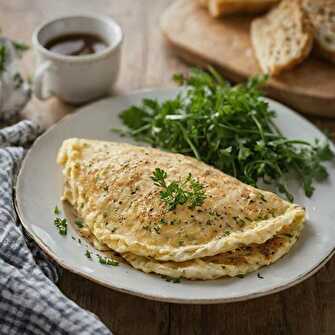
column 225, row 43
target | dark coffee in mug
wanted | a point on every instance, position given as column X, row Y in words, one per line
column 76, row 44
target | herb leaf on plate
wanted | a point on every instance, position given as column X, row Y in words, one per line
column 229, row 127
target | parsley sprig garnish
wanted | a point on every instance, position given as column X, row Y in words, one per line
column 61, row 225
column 88, row 254
column 107, row 261
column 79, row 223
column 57, row 210
column 189, row 190
column 60, row 222
column 229, row 127
column 171, row 279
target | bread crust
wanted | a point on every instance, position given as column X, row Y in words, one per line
column 219, row 8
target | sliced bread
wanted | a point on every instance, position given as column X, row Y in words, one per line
column 226, row 7
column 282, row 38
column 322, row 15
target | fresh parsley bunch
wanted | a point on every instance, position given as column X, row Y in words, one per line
column 231, row 128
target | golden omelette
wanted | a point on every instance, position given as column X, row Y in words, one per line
column 231, row 263
column 110, row 187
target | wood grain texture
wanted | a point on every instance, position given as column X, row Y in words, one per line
column 200, row 39
column 308, row 308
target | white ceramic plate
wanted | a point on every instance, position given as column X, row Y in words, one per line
column 39, row 189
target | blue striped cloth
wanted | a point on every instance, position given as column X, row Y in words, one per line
column 30, row 302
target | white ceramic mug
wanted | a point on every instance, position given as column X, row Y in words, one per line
column 77, row 79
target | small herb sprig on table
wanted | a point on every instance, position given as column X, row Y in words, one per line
column 231, row 128
column 176, row 193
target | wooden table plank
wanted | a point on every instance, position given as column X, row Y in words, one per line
column 123, row 313
column 307, row 308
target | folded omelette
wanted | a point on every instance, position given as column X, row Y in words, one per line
column 234, row 230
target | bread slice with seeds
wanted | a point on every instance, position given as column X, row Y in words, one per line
column 282, row 38
column 322, row 15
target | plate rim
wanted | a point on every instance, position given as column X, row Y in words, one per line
column 154, row 297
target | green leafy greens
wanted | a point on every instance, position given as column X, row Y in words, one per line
column 229, row 127
column 178, row 193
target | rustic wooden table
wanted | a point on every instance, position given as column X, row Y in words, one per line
column 308, row 308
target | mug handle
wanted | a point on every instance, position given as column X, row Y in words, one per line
column 38, row 81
